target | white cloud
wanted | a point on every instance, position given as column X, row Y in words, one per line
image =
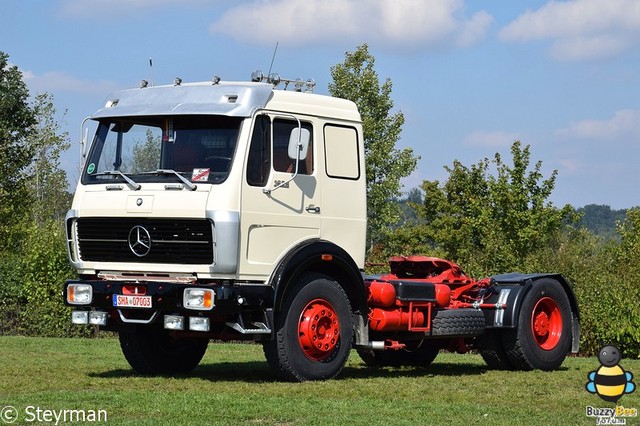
column 580, row 29
column 399, row 24
column 624, row 124
column 54, row 81
column 495, row 139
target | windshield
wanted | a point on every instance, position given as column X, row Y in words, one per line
column 199, row 148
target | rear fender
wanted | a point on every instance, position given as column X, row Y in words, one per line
column 511, row 290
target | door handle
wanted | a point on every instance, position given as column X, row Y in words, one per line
column 313, row 209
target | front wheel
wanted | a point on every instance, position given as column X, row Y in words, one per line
column 153, row 351
column 314, row 331
column 543, row 336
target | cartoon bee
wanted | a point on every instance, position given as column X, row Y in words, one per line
column 610, row 381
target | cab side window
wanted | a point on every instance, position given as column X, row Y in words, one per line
column 273, row 138
column 259, row 161
column 281, row 162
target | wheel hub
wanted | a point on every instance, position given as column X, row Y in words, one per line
column 546, row 323
column 318, row 330
column 541, row 324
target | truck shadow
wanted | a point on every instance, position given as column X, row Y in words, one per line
column 259, row 371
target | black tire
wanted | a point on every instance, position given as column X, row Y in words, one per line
column 415, row 354
column 527, row 346
column 152, row 351
column 457, row 323
column 490, row 347
column 315, row 295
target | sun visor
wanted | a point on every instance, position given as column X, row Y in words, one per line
column 234, row 100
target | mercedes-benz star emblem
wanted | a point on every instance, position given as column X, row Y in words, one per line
column 139, row 241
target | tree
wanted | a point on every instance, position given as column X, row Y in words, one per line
column 146, row 154
column 16, row 119
column 491, row 223
column 356, row 80
column 47, row 181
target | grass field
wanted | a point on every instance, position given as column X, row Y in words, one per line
column 233, row 385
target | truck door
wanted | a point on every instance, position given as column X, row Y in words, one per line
column 274, row 220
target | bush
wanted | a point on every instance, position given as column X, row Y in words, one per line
column 604, row 276
column 11, row 298
column 31, row 286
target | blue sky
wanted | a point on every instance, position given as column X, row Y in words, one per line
column 470, row 76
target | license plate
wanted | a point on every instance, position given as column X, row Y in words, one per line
column 128, row 301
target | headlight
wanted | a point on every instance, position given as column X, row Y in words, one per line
column 201, row 299
column 79, row 294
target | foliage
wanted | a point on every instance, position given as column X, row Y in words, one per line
column 490, row 222
column 16, row 120
column 46, row 267
column 356, row 79
column 600, row 219
column 47, row 182
column 146, row 154
column 11, row 296
column 33, row 202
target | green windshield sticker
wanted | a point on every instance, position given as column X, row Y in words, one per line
column 91, row 168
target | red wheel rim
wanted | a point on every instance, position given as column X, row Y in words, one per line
column 546, row 323
column 318, row 330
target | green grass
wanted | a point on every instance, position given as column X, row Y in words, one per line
column 233, row 385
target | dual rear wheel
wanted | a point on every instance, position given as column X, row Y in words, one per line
column 542, row 338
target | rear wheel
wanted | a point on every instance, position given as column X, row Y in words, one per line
column 153, row 351
column 543, row 336
column 314, row 331
column 490, row 347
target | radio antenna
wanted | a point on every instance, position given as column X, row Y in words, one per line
column 151, row 68
column 273, row 58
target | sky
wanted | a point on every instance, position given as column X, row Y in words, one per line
column 470, row 77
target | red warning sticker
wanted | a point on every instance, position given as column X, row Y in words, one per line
column 200, row 175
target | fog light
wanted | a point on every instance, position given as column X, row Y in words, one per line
column 98, row 318
column 173, row 322
column 200, row 299
column 79, row 294
column 79, row 317
column 198, row 324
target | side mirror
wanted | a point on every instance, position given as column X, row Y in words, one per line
column 299, row 143
column 84, row 131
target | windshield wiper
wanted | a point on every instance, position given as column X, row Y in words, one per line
column 133, row 184
column 184, row 180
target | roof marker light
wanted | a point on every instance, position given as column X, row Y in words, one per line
column 274, row 78
column 257, row 76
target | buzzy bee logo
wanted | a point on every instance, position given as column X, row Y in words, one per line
column 610, row 382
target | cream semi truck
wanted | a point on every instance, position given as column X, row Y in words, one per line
column 237, row 211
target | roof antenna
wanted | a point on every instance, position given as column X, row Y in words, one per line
column 273, row 58
column 151, row 68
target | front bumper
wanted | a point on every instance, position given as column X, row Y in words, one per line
column 231, row 302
